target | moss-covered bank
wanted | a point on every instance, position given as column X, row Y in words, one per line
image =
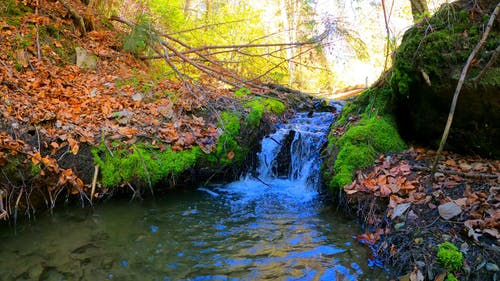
column 365, row 129
column 147, row 165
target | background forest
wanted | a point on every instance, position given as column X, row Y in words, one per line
column 315, row 46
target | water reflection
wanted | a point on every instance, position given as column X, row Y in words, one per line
column 197, row 236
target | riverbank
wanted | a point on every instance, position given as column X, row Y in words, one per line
column 411, row 214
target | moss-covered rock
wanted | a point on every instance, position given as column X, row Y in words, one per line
column 369, row 130
column 427, row 69
column 228, row 150
column 258, row 106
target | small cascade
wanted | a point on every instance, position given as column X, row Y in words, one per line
column 288, row 171
column 293, row 151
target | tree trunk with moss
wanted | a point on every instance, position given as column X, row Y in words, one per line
column 418, row 9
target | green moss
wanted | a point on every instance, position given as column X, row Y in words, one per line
column 242, row 92
column 143, row 164
column 451, row 277
column 12, row 8
column 440, row 50
column 228, row 150
column 375, row 132
column 449, row 256
column 258, row 106
column 35, row 169
column 350, row 158
column 378, row 132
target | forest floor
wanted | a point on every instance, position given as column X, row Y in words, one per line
column 411, row 213
column 50, row 107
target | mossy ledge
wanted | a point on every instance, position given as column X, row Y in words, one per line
column 364, row 129
column 147, row 165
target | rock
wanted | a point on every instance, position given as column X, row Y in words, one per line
column 282, row 165
column 422, row 107
column 491, row 267
column 84, row 59
column 449, row 210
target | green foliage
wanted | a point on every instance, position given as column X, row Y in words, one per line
column 449, row 256
column 138, row 40
column 142, row 164
column 258, row 106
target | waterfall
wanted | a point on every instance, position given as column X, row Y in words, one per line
column 293, row 151
column 288, row 164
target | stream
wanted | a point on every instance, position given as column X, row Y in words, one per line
column 272, row 224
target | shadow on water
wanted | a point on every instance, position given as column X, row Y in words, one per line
column 263, row 227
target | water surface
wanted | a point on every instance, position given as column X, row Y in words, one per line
column 221, row 235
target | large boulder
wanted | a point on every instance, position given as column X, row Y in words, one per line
column 427, row 69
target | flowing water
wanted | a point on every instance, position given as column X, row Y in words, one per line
column 273, row 224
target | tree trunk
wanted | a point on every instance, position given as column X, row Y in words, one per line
column 187, row 7
column 418, row 9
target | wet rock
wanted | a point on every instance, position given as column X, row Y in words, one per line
column 281, row 167
column 491, row 267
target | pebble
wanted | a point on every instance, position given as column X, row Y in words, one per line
column 491, row 267
column 398, row 226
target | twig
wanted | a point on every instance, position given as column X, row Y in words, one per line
column 17, row 205
column 94, row 181
column 145, row 169
column 263, row 182
column 460, row 84
column 492, row 60
column 458, row 173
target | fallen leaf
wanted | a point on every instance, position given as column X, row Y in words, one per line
column 449, row 210
column 385, row 191
column 400, row 210
column 493, row 232
column 440, row 277
column 230, row 155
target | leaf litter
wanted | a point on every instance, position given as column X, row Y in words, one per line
column 410, row 211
